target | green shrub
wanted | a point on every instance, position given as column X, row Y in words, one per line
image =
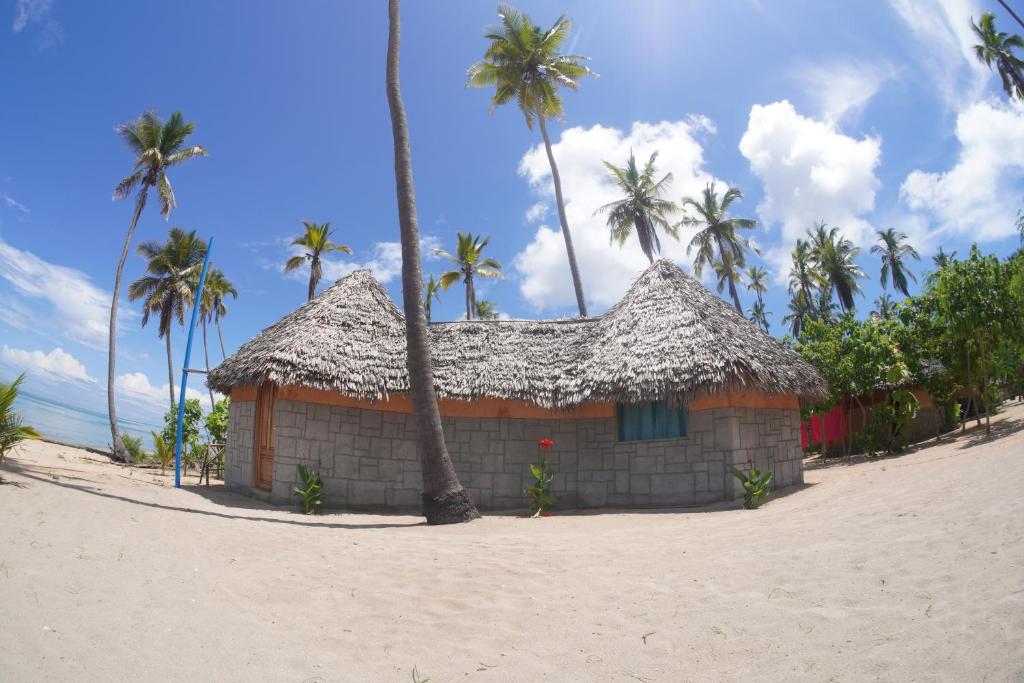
column 12, row 431
column 217, row 421
column 311, row 491
column 756, row 486
column 162, row 451
column 133, row 444
column 189, row 430
column 539, row 495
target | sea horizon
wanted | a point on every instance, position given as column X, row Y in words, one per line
column 76, row 425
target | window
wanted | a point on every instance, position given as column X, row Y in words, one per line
column 650, row 420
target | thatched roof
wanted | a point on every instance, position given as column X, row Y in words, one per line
column 669, row 337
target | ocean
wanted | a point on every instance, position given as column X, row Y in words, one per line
column 77, row 426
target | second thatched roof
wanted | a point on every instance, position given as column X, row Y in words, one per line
column 668, row 338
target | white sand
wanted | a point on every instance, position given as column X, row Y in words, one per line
column 910, row 568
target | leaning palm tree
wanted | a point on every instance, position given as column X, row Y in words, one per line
column 885, row 307
column 469, row 262
column 167, row 289
column 444, row 499
column 801, row 309
column 718, row 234
column 757, row 282
column 893, row 248
column 157, row 146
column 834, row 258
column 316, row 240
column 524, row 64
column 431, row 293
column 12, row 431
column 211, row 308
column 642, row 209
column 997, row 46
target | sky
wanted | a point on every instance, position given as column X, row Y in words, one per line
column 864, row 115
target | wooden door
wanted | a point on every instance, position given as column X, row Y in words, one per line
column 263, row 445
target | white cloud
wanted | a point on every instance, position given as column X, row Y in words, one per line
column 13, row 203
column 536, row 212
column 945, row 45
column 81, row 310
column 980, row 194
column 38, row 13
column 606, row 270
column 57, row 364
column 810, row 171
column 136, row 387
column 842, row 88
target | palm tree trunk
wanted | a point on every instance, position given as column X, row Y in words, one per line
column 577, row 282
column 984, row 384
column 170, row 368
column 970, row 393
column 223, row 356
column 312, row 278
column 119, row 452
column 444, row 499
column 206, row 353
column 471, row 313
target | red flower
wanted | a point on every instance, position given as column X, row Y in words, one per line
column 546, row 443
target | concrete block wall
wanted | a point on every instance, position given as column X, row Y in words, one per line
column 368, row 459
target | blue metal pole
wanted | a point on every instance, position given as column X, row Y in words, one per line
column 184, row 369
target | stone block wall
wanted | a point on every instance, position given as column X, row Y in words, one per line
column 368, row 459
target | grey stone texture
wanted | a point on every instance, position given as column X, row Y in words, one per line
column 368, row 459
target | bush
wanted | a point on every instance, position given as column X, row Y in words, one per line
column 217, row 421
column 12, row 431
column 189, row 431
column 163, row 451
column 539, row 495
column 756, row 486
column 311, row 491
column 133, row 444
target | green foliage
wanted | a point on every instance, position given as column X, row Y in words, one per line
column 133, row 444
column 756, row 486
column 642, row 209
column 316, row 240
column 469, row 263
column 162, row 450
column 12, row 431
column 216, row 421
column 190, row 428
column 310, row 492
column 889, row 427
column 539, row 495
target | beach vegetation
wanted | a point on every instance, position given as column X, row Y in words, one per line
column 997, row 48
column 13, row 430
column 309, row 491
column 642, row 210
column 133, row 444
column 470, row 263
column 163, row 451
column 216, row 421
column 190, row 435
column 538, row 496
column 316, row 240
column 756, row 486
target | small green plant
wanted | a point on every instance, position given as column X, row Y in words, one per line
column 311, row 491
column 133, row 444
column 12, row 431
column 216, row 421
column 539, row 495
column 162, row 451
column 756, row 486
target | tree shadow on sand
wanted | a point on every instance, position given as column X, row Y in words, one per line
column 976, row 435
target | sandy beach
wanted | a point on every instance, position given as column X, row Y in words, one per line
column 906, row 568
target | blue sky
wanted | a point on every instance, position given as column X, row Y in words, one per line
column 865, row 115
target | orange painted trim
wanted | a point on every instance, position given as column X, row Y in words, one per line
column 243, row 394
column 745, row 398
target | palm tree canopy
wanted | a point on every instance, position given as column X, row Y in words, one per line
column 642, row 208
column 171, row 269
column 757, row 279
column 834, row 258
column 716, row 229
column 218, row 287
column 469, row 260
column 894, row 250
column 942, row 259
column 524, row 64
column 758, row 315
column 885, row 307
column 997, row 47
column 157, row 145
column 486, row 310
column 800, row 309
column 316, row 239
column 12, row 431
column 725, row 272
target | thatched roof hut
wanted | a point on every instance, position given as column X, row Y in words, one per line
column 668, row 338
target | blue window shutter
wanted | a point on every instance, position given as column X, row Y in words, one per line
column 650, row 420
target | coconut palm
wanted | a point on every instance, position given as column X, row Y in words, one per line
column 12, row 431
column 316, row 239
column 718, row 234
column 486, row 310
column 802, row 276
column 885, row 307
column 942, row 259
column 167, row 289
column 642, row 209
column 469, row 262
column 824, row 307
column 524, row 65
column 757, row 282
column 157, row 146
column 212, row 308
column 834, row 258
column 893, row 249
column 444, row 499
column 431, row 293
column 997, row 46
column 758, row 315
column 801, row 309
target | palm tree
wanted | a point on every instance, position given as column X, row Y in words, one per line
column 469, row 262
column 157, row 146
column 802, row 276
column 942, row 259
column 486, row 310
column 12, row 431
column 757, row 282
column 642, row 209
column 800, row 309
column 718, row 233
column 219, row 288
column 444, row 499
column 893, row 248
column 824, row 308
column 431, row 293
column 316, row 239
column 885, row 307
column 997, row 46
column 834, row 258
column 524, row 64
column 168, row 288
